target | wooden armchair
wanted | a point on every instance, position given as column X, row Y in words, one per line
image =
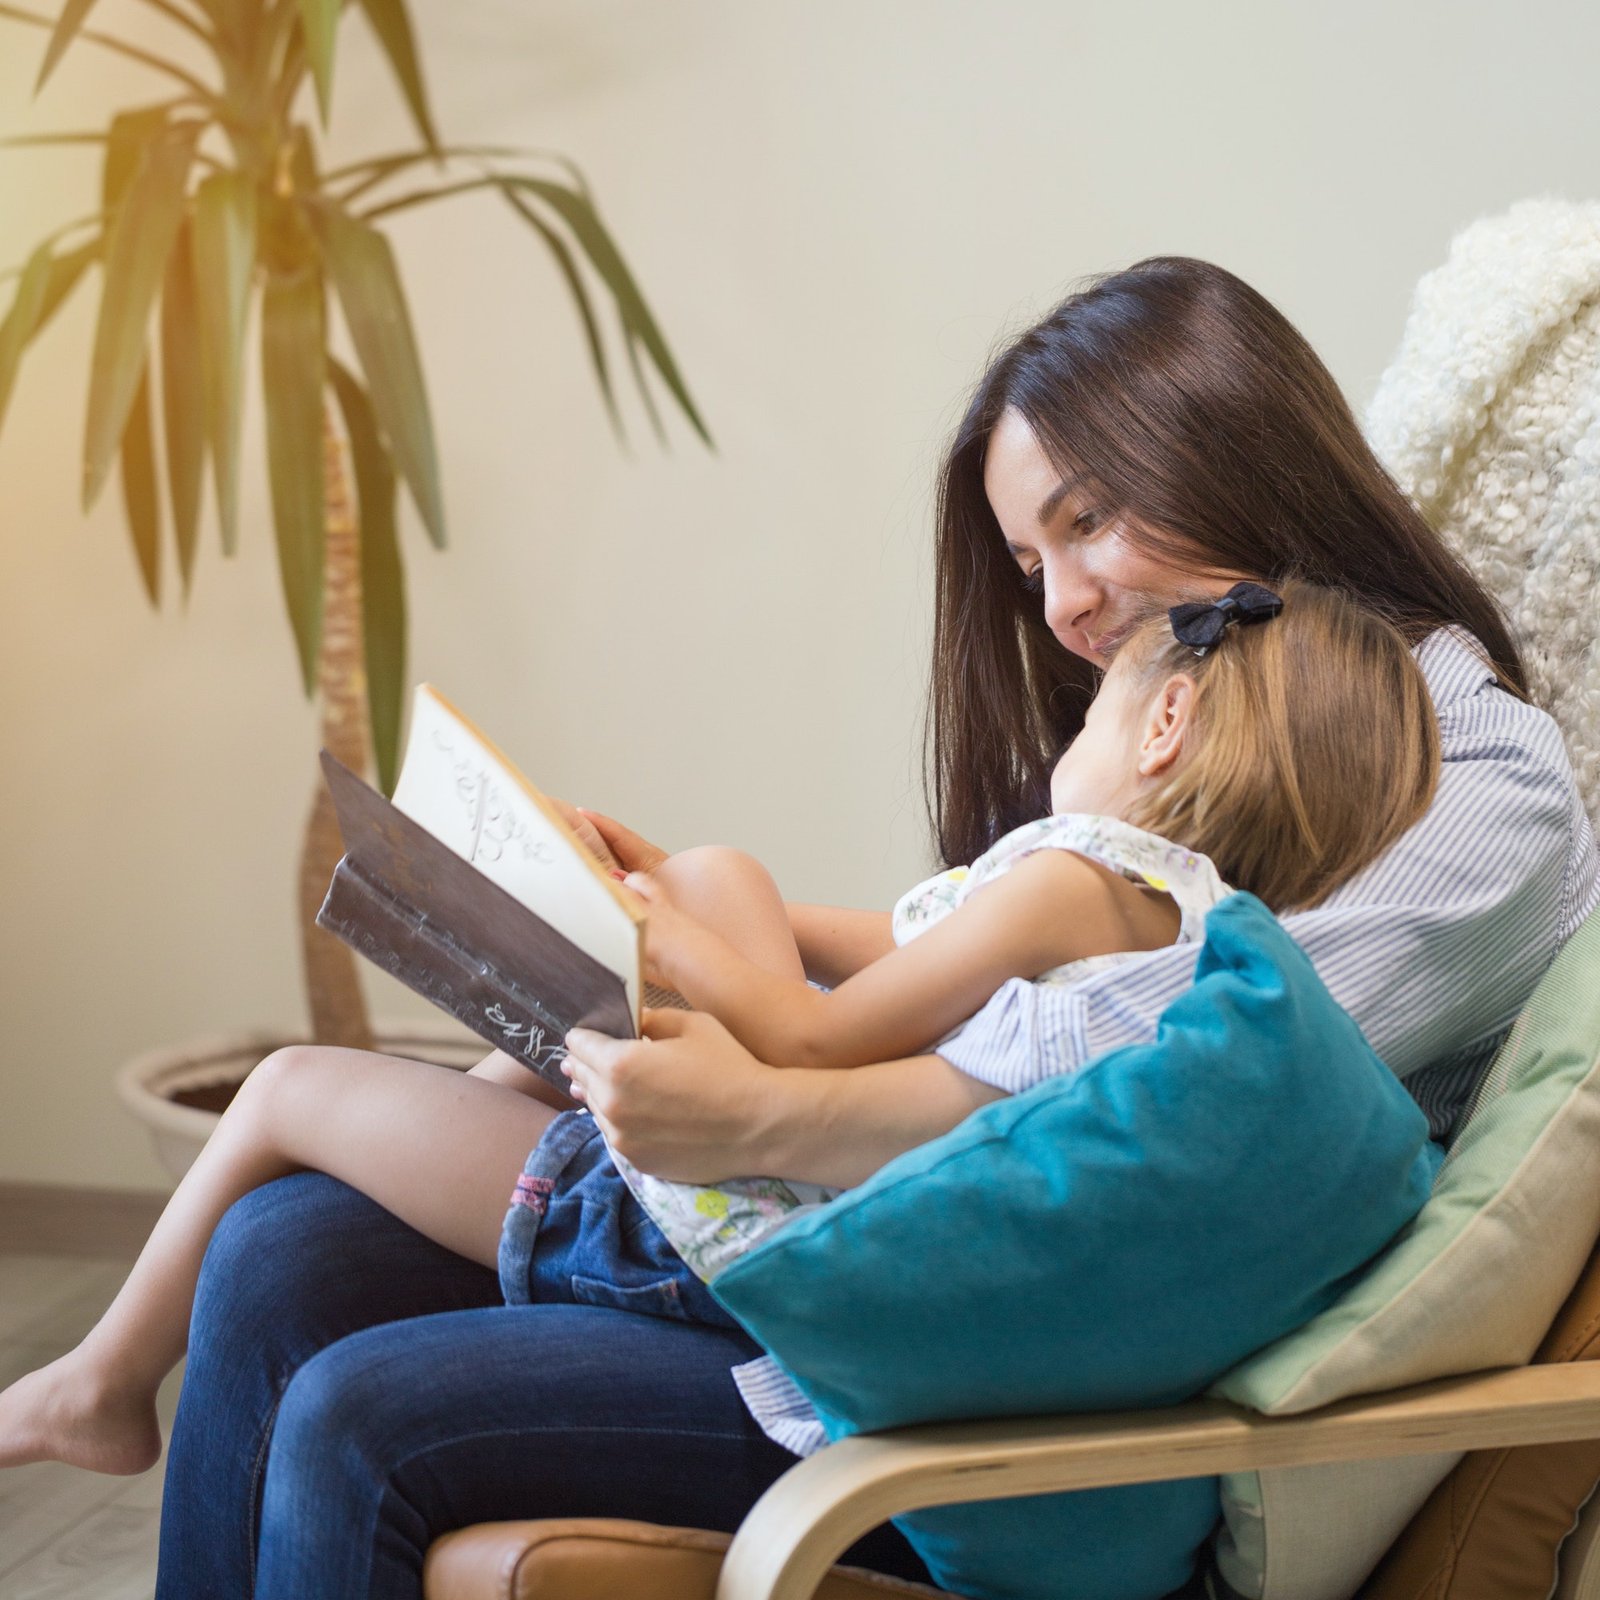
column 786, row 1546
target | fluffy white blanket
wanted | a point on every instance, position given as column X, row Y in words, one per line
column 1489, row 416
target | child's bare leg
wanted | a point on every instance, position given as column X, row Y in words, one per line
column 506, row 1070
column 734, row 895
column 438, row 1148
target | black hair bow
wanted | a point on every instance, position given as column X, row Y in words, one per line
column 1200, row 624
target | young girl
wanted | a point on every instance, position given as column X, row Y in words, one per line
column 1279, row 752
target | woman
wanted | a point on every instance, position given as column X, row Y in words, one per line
column 353, row 1392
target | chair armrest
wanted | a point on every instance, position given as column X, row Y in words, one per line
column 820, row 1507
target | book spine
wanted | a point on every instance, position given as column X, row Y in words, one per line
column 400, row 939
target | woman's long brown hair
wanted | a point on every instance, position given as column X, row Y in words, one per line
column 1206, row 422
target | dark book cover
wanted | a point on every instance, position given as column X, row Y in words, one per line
column 422, row 913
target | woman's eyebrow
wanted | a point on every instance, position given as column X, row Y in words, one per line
column 1047, row 507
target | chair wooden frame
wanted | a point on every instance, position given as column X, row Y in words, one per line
column 796, row 1531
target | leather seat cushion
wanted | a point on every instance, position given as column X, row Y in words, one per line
column 601, row 1559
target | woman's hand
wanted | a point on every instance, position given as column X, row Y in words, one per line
column 688, row 1101
column 685, row 1101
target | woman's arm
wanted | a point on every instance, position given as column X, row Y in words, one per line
column 689, row 1102
column 835, row 943
column 1051, row 907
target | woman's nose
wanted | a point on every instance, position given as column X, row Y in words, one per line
column 1070, row 598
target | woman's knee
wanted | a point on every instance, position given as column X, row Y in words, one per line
column 269, row 1251
column 333, row 1407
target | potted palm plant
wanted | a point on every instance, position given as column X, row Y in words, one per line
column 219, row 211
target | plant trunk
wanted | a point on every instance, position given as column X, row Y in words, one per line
column 333, row 988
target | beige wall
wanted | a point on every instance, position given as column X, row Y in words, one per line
column 837, row 209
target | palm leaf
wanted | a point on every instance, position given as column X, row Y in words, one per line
column 293, row 337
column 25, row 141
column 238, row 24
column 22, row 320
column 55, row 236
column 319, row 21
column 139, row 495
column 383, row 595
column 182, row 18
column 224, row 240
column 109, row 42
column 379, row 169
column 632, row 340
column 580, row 297
column 393, row 27
column 65, row 272
column 73, row 15
column 363, row 268
column 140, row 240
column 577, row 211
column 183, row 401
column 130, row 135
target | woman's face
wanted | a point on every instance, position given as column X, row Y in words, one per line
column 1094, row 580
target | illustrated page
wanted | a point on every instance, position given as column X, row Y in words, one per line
column 454, row 784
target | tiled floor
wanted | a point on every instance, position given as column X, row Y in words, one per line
column 67, row 1534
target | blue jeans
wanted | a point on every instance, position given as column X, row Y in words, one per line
column 575, row 1232
column 355, row 1391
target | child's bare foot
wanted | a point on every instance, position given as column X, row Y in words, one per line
column 62, row 1413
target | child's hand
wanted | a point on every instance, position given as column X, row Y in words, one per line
column 669, row 933
column 621, row 844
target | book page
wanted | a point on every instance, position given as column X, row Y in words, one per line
column 456, row 784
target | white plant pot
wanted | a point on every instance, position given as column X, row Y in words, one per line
column 145, row 1084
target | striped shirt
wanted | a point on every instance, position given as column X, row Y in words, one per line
column 1433, row 949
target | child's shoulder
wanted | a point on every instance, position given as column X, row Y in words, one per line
column 1134, row 853
column 1106, row 838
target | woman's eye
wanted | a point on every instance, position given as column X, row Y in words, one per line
column 1033, row 581
column 1087, row 521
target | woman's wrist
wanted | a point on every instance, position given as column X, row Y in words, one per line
column 816, row 1125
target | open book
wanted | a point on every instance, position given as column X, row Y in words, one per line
column 471, row 889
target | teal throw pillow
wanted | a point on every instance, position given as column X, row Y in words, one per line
column 1117, row 1237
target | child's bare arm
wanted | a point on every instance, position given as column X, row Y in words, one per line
column 1050, row 908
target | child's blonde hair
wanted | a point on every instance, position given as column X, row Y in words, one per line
column 1313, row 745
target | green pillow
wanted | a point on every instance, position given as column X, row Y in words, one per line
column 1115, row 1237
column 1473, row 1282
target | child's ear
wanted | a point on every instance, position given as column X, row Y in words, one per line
column 1166, row 725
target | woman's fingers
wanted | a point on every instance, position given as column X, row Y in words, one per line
column 679, row 1102
column 633, row 853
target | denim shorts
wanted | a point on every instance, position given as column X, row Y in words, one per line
column 575, row 1233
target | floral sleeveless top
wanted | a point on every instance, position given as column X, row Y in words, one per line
column 1143, row 858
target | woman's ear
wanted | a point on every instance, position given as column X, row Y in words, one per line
column 1166, row 725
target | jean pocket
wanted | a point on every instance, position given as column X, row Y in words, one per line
column 661, row 1298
